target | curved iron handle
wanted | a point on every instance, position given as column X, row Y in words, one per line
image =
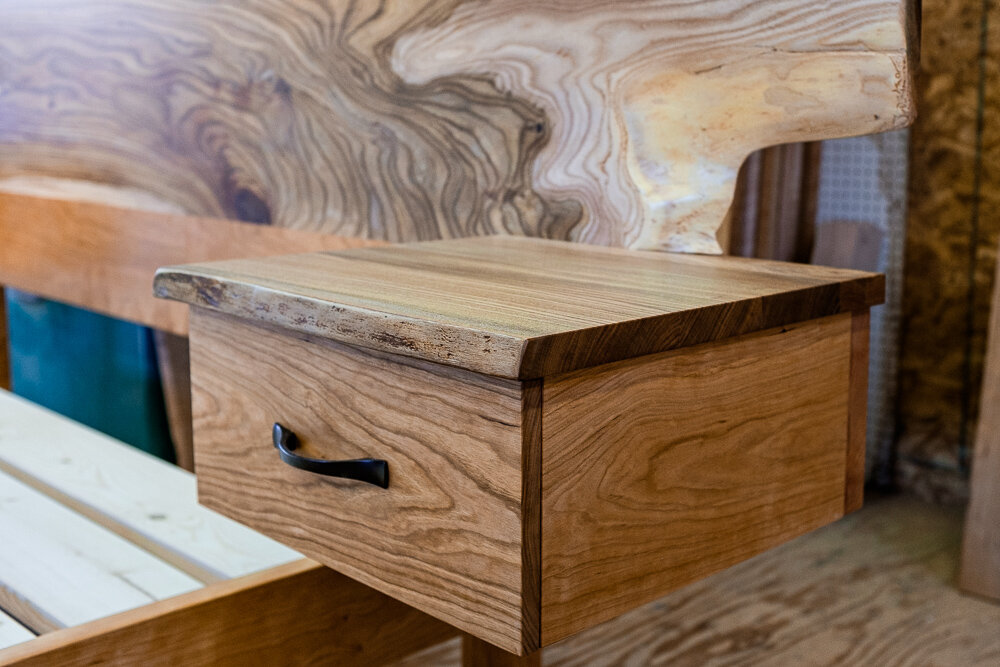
column 372, row 471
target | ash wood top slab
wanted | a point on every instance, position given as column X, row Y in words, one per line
column 518, row 307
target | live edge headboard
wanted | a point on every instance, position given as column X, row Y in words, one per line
column 342, row 122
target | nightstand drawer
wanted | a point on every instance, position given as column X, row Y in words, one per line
column 445, row 536
column 653, row 472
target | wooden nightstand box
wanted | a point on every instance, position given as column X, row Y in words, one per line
column 569, row 431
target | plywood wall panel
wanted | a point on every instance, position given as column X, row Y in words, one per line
column 953, row 228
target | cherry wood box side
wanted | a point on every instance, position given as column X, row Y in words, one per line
column 664, row 469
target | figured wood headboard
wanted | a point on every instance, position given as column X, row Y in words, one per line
column 620, row 123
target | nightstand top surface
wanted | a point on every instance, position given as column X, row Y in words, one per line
column 517, row 307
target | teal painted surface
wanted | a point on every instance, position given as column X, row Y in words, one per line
column 99, row 371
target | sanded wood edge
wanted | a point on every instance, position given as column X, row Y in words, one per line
column 857, row 413
column 571, row 351
column 26, row 612
column 299, row 613
column 511, row 357
column 103, row 258
column 396, row 335
column 531, row 515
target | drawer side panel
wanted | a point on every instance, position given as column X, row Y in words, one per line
column 664, row 469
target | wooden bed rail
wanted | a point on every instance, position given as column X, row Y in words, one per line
column 103, row 258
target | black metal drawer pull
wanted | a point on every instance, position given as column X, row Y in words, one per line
column 372, row 471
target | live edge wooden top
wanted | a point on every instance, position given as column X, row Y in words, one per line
column 517, row 307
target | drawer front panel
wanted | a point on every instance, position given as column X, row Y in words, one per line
column 445, row 536
column 664, row 469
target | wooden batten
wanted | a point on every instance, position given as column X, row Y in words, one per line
column 138, row 497
column 103, row 258
column 300, row 609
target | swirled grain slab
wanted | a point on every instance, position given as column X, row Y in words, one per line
column 616, row 123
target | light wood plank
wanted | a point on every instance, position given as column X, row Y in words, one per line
column 661, row 470
column 147, row 501
column 980, row 566
column 447, row 536
column 103, row 258
column 294, row 614
column 519, row 308
column 12, row 632
column 619, row 123
column 58, row 569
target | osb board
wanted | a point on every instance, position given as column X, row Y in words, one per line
column 875, row 588
column 619, row 123
column 953, row 228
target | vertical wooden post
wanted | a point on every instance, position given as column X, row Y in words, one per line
column 4, row 343
column 980, row 568
column 477, row 653
column 173, row 359
column 857, row 413
column 774, row 207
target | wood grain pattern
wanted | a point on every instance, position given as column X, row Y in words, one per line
column 531, row 515
column 174, row 364
column 675, row 95
column 447, row 536
column 774, row 209
column 58, row 569
column 857, row 413
column 12, row 632
column 875, row 588
column 137, row 496
column 519, row 308
column 980, row 565
column 295, row 614
column 103, row 258
column 477, row 653
column 621, row 125
column 661, row 470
